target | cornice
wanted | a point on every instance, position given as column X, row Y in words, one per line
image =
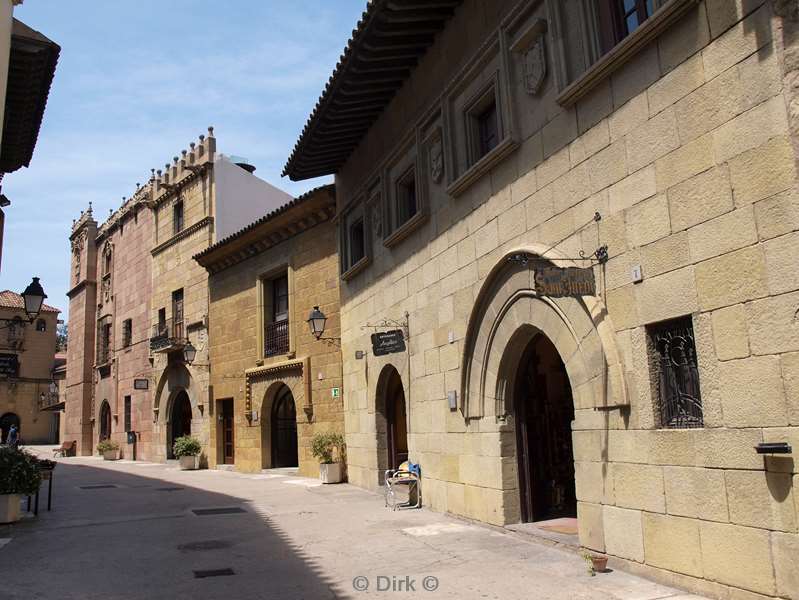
column 183, row 234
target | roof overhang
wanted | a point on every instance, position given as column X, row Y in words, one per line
column 390, row 39
column 31, row 69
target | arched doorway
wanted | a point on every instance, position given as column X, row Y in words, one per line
column 544, row 411
column 284, row 429
column 105, row 421
column 6, row 421
column 179, row 420
column 394, row 412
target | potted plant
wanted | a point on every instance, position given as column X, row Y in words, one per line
column 187, row 450
column 323, row 446
column 597, row 563
column 19, row 476
column 109, row 449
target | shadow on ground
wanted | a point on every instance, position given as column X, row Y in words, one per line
column 116, row 535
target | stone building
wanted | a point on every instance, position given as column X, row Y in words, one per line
column 138, row 299
column 274, row 384
column 587, row 211
column 27, row 358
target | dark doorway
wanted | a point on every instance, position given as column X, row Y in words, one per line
column 544, row 411
column 396, row 421
column 6, row 421
column 228, row 445
column 105, row 421
column 180, row 420
column 284, row 429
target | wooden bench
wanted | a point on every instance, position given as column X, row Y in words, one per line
column 66, row 449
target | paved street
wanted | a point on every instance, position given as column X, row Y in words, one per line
column 128, row 531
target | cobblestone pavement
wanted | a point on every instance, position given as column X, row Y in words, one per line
column 123, row 530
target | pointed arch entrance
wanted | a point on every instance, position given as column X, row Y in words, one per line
column 392, row 427
column 544, row 410
column 105, row 421
column 284, row 429
column 179, row 420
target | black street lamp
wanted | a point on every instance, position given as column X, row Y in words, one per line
column 34, row 297
column 189, row 353
column 316, row 321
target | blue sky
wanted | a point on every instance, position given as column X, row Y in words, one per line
column 137, row 81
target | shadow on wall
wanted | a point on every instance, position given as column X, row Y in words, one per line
column 140, row 539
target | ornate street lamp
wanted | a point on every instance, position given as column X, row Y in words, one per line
column 189, row 353
column 316, row 321
column 34, row 297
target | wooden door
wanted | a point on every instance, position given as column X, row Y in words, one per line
column 228, row 445
column 397, row 427
column 284, row 430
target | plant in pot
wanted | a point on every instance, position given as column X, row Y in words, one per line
column 324, row 446
column 597, row 563
column 19, row 476
column 109, row 449
column 187, row 450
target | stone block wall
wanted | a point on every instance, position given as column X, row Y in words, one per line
column 688, row 153
column 241, row 371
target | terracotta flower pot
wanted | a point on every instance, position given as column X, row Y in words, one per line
column 111, row 455
column 599, row 563
column 9, row 508
column 330, row 472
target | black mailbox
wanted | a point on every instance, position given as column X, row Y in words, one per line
column 131, row 437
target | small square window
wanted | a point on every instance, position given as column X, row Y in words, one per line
column 406, row 204
column 484, row 125
column 354, row 238
column 41, row 325
column 675, row 373
column 357, row 241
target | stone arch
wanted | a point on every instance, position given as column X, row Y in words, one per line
column 6, row 421
column 175, row 378
column 507, row 305
column 104, row 420
column 389, row 383
column 270, row 393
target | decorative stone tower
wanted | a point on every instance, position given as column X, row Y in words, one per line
column 80, row 353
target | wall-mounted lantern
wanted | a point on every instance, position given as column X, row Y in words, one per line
column 316, row 322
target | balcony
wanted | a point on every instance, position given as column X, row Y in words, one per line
column 276, row 338
column 167, row 336
column 50, row 401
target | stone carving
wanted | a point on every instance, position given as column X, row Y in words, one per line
column 436, row 159
column 531, row 48
column 535, row 67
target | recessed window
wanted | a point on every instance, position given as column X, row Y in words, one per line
column 104, row 344
column 127, row 332
column 41, row 325
column 107, row 262
column 406, row 199
column 177, row 217
column 675, row 373
column 619, row 18
column 354, row 236
column 484, row 127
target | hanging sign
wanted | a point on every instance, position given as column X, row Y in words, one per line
column 141, row 384
column 388, row 342
column 571, row 281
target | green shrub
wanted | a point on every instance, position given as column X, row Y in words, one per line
column 107, row 446
column 186, row 446
column 19, row 472
column 324, row 444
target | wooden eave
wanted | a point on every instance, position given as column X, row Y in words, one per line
column 390, row 39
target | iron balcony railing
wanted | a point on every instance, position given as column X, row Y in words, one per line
column 103, row 353
column 167, row 335
column 48, row 400
column 276, row 338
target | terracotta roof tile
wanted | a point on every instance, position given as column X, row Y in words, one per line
column 9, row 299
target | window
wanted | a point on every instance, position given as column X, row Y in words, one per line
column 107, row 262
column 41, row 325
column 487, row 132
column 406, row 205
column 177, row 314
column 127, row 332
column 619, row 18
column 127, row 413
column 354, row 238
column 161, row 321
column 104, row 344
column 177, row 217
column 276, row 316
column 675, row 373
column 483, row 125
